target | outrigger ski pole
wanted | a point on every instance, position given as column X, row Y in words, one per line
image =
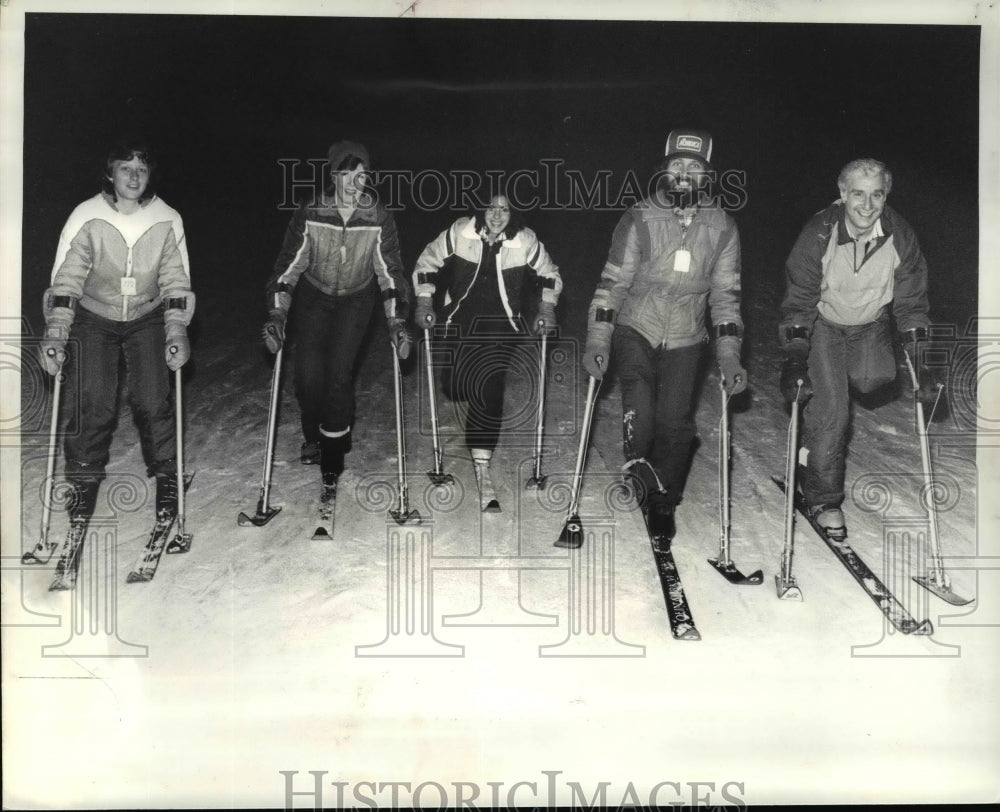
column 936, row 580
column 437, row 476
column 181, row 542
column 402, row 514
column 537, row 480
column 265, row 512
column 572, row 532
column 43, row 550
column 723, row 563
column 784, row 581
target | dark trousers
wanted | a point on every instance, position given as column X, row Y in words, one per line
column 479, row 358
column 657, row 403
column 99, row 349
column 328, row 335
column 840, row 357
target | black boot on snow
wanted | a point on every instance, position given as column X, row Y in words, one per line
column 831, row 519
column 309, row 453
column 166, row 495
column 331, row 456
column 660, row 517
column 84, row 498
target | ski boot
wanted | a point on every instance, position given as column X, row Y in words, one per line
column 488, row 501
column 309, row 453
column 660, row 521
column 332, row 450
column 830, row 519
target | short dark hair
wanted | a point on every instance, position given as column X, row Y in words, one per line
column 126, row 150
column 515, row 225
column 349, row 164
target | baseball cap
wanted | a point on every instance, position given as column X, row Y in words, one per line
column 689, row 143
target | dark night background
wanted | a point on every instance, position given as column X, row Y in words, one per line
column 225, row 98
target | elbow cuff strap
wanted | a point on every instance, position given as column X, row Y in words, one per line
column 179, row 303
column 427, row 277
column 728, row 329
column 283, row 287
column 916, row 334
column 796, row 331
column 63, row 301
column 391, row 293
column 546, row 282
column 602, row 314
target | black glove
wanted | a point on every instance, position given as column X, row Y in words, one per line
column 793, row 371
column 399, row 335
column 930, row 384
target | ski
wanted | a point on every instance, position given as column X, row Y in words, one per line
column 327, row 510
column 678, row 612
column 41, row 553
column 68, row 565
column 149, row 559
column 891, row 608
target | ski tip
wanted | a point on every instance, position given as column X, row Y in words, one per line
column 31, row 558
column 787, row 590
column 405, row 517
column 243, row 520
column 138, row 578
column 61, row 587
column 687, row 632
column 571, row 537
column 755, row 578
column 924, row 627
column 321, row 534
column 493, row 506
column 944, row 593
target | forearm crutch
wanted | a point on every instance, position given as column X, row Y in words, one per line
column 265, row 512
column 571, row 535
column 402, row 514
column 181, row 542
column 437, row 476
column 936, row 580
column 784, row 581
column 724, row 563
column 43, row 549
column 537, row 480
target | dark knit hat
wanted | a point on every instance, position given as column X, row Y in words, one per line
column 342, row 150
column 689, row 144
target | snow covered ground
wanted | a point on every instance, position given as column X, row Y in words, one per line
column 469, row 649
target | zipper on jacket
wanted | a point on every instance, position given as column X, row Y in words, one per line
column 128, row 273
column 475, row 276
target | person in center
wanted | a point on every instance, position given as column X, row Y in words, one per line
column 672, row 254
column 482, row 263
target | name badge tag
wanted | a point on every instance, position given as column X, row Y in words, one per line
column 682, row 261
column 128, row 286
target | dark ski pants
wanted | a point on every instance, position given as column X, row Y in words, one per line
column 840, row 357
column 328, row 335
column 477, row 374
column 657, row 402
column 99, row 351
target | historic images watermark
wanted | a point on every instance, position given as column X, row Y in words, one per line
column 549, row 790
column 549, row 186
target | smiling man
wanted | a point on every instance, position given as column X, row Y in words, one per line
column 854, row 269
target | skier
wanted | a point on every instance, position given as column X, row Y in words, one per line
column 853, row 263
column 339, row 251
column 671, row 254
column 482, row 262
column 120, row 289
